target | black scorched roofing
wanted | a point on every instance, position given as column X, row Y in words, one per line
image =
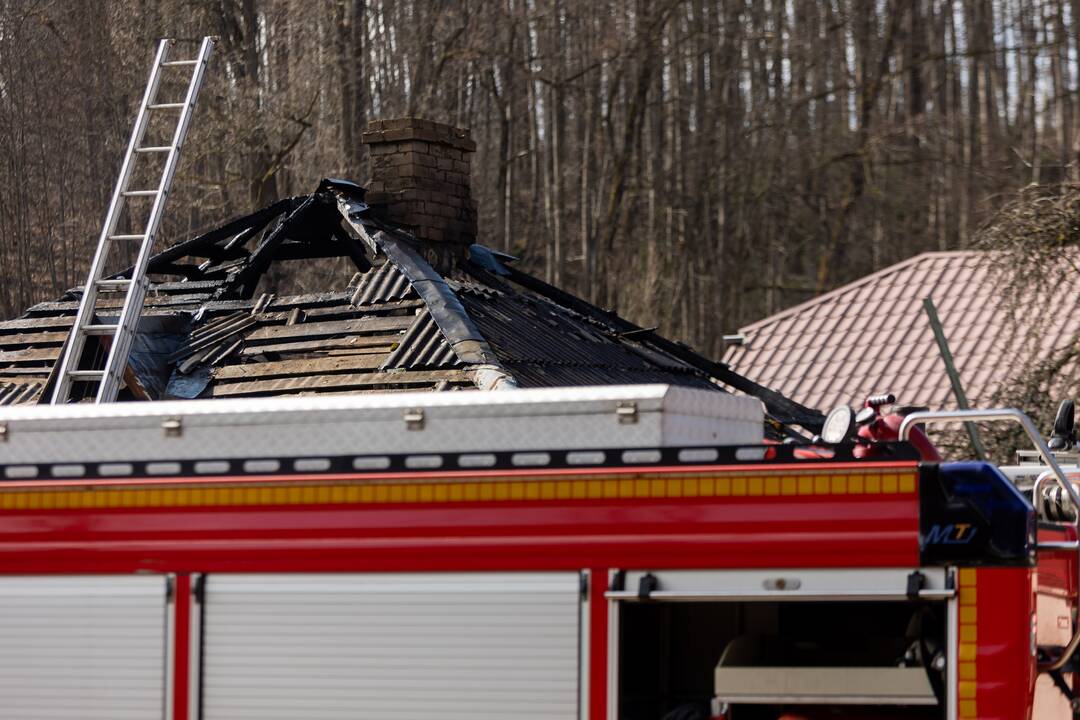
column 399, row 325
column 543, row 343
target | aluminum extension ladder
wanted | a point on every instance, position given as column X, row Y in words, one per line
column 109, row 378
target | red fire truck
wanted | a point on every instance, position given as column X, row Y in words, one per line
column 630, row 552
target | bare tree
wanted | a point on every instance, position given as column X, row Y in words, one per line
column 693, row 163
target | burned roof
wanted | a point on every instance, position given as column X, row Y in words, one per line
column 206, row 331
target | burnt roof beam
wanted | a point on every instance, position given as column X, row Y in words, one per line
column 207, row 245
column 352, row 249
column 297, row 250
column 292, row 250
column 244, row 282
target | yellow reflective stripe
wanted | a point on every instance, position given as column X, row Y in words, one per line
column 493, row 489
column 968, row 652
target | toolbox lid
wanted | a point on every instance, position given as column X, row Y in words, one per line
column 619, row 416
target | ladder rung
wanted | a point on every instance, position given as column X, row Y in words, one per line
column 116, row 283
column 154, row 149
column 139, row 193
column 100, row 329
column 127, row 237
column 175, row 63
column 86, row 374
column 166, row 106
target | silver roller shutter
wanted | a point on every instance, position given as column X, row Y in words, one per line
column 82, row 647
column 392, row 647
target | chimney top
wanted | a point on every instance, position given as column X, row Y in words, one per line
column 403, row 129
column 420, row 180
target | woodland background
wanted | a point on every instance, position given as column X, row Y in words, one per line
column 694, row 164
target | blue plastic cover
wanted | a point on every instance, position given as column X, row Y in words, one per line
column 971, row 514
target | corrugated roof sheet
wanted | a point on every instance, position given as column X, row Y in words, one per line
column 384, row 284
column 333, row 346
column 423, row 346
column 545, row 344
column 18, row 393
column 873, row 336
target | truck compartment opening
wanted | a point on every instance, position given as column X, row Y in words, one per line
column 758, row 660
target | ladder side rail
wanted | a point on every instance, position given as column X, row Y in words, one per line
column 88, row 302
column 133, row 302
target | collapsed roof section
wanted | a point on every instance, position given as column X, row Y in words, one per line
column 398, row 325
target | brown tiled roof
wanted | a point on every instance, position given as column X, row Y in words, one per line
column 873, row 336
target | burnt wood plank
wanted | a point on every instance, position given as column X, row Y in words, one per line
column 315, row 330
column 185, row 288
column 374, row 342
column 10, row 326
column 213, row 335
column 30, row 355
column 212, row 326
column 314, row 305
column 390, row 391
column 282, row 304
column 175, row 288
column 229, row 346
column 305, row 366
column 362, row 351
column 377, row 309
column 41, row 373
column 338, row 382
column 159, row 301
column 344, row 312
column 41, row 338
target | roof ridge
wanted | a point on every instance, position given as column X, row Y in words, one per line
column 866, row 279
column 445, row 308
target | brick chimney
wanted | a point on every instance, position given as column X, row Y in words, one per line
column 420, row 180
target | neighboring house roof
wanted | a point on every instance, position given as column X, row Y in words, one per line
column 873, row 336
column 398, row 325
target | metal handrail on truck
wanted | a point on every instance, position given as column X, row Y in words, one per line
column 1018, row 417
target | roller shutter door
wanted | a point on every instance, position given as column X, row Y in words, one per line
column 391, row 647
column 82, row 647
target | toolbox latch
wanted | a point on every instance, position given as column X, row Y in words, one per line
column 172, row 427
column 627, row 412
column 414, row 419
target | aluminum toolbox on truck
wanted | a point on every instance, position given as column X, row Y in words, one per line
column 204, row 432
